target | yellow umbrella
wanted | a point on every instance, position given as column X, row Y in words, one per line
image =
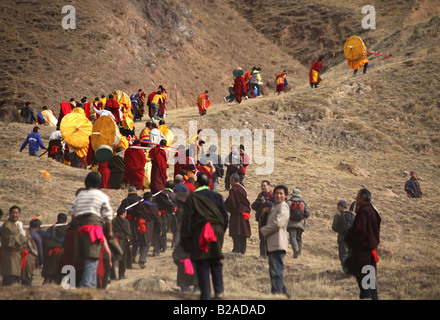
column 76, row 130
column 355, row 52
column 105, row 136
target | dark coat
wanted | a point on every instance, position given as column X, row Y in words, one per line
column 116, row 164
column 121, row 230
column 153, row 221
column 362, row 238
column 237, row 203
column 52, row 251
column 412, row 188
column 202, row 207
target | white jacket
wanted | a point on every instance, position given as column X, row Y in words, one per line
column 275, row 230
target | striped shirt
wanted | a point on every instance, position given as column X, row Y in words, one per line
column 92, row 201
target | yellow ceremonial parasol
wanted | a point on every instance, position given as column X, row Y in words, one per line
column 354, row 49
column 76, row 130
column 105, row 137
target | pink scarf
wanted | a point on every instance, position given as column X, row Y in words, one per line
column 206, row 236
column 95, row 232
column 188, row 266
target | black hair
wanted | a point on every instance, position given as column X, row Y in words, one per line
column 147, row 196
column 93, row 180
column 110, row 96
column 286, row 191
column 34, row 223
column 268, row 183
column 183, row 172
column 163, row 143
column 36, row 128
column 44, row 108
column 154, row 125
column 161, row 122
column 61, row 218
column 14, row 207
column 202, row 179
column 170, row 184
column 364, row 193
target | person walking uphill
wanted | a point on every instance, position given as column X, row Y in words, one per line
column 90, row 209
column 34, row 141
column 204, row 223
column 342, row 222
column 275, row 232
column 363, row 239
column 299, row 212
column 239, row 207
column 412, row 186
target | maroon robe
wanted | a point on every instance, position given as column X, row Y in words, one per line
column 158, row 169
column 105, row 174
column 135, row 167
column 238, row 203
column 363, row 238
column 239, row 88
column 114, row 108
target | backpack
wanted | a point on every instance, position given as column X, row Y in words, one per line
column 164, row 202
column 297, row 211
column 347, row 219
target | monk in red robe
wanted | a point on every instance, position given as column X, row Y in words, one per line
column 104, row 170
column 239, row 88
column 135, row 166
column 315, row 69
column 159, row 167
column 65, row 109
column 280, row 82
column 203, row 103
column 113, row 106
column 207, row 169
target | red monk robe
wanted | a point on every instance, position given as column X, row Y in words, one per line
column 134, row 167
column 203, row 103
column 208, row 171
column 158, row 169
column 104, row 170
column 239, row 88
column 314, row 72
column 66, row 108
column 162, row 108
column 98, row 106
column 114, row 108
column 280, row 82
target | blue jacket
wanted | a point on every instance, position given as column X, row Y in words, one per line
column 412, row 187
column 34, row 141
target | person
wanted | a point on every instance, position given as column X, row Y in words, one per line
column 156, row 101
column 363, row 239
column 116, row 164
column 203, row 103
column 412, row 186
column 239, row 207
column 218, row 166
column 55, row 147
column 179, row 186
column 145, row 133
column 255, row 82
column 34, row 141
column 149, row 227
column 231, row 96
column 27, row 113
column 34, row 252
column 131, row 199
column 13, row 240
column 166, row 202
column 361, row 62
column 186, row 274
column 342, row 221
column 280, row 82
column 182, row 193
column 299, row 212
column 113, row 106
column 104, row 171
column 204, row 224
column 189, row 182
column 275, row 232
column 232, row 163
column 52, row 248
column 104, row 112
column 47, row 117
column 91, row 208
column 96, row 105
column 262, row 205
column 239, row 88
column 65, row 109
column 244, row 162
column 134, row 166
column 159, row 167
column 79, row 109
column 122, row 233
column 315, row 69
column 155, row 135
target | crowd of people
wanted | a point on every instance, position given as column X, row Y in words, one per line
column 188, row 207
